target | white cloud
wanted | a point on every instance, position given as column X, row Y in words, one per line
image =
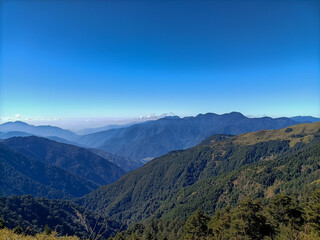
column 18, row 115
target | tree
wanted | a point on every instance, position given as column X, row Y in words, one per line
column 313, row 211
column 47, row 230
column 1, row 223
column 18, row 230
column 248, row 221
column 196, row 226
column 219, row 224
column 284, row 212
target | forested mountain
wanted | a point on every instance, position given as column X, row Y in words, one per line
column 221, row 170
column 23, row 175
column 78, row 161
column 43, row 131
column 155, row 138
column 33, row 214
column 161, row 198
column 280, row 217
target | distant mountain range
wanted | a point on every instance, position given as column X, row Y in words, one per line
column 104, row 128
column 24, row 129
column 155, row 138
column 21, row 129
column 138, row 143
column 305, row 119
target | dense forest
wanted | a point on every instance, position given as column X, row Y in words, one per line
column 32, row 215
column 281, row 217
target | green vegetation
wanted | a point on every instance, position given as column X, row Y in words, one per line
column 76, row 160
column 29, row 215
column 6, row 234
column 282, row 217
column 24, row 175
column 252, row 186
column 218, row 172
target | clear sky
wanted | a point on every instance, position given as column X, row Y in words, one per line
column 118, row 59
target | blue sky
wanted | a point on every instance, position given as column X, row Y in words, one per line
column 95, row 59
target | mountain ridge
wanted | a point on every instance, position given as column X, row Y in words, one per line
column 21, row 175
column 77, row 160
column 155, row 138
column 42, row 130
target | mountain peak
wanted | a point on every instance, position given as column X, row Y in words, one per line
column 238, row 114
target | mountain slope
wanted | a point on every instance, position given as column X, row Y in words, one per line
column 125, row 163
column 23, row 175
column 221, row 169
column 43, row 131
column 60, row 215
column 155, row 138
column 76, row 160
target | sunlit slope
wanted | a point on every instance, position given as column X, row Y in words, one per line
column 222, row 169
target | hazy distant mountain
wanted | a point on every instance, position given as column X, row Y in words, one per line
column 125, row 163
column 44, row 131
column 104, row 128
column 155, row 138
column 5, row 135
column 22, row 175
column 305, row 119
column 76, row 160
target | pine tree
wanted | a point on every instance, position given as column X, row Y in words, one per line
column 313, row 211
column 1, row 223
column 196, row 226
column 47, row 230
column 18, row 230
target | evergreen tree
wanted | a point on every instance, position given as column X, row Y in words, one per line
column 219, row 224
column 1, row 223
column 286, row 216
column 196, row 226
column 18, row 230
column 313, row 212
column 248, row 222
column 47, row 230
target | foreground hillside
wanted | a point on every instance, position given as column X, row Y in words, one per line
column 282, row 217
column 7, row 234
column 155, row 138
column 33, row 214
column 222, row 170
